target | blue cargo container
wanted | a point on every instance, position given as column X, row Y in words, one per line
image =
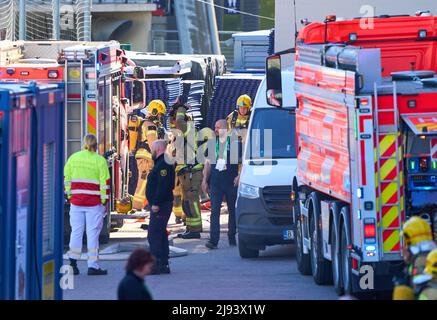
column 31, row 190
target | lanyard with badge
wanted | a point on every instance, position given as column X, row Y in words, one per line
column 221, row 162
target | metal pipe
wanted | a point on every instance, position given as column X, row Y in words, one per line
column 87, row 20
column 22, row 20
column 56, row 20
column 213, row 29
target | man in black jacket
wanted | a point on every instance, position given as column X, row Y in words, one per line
column 159, row 193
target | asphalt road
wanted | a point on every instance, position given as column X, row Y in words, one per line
column 206, row 274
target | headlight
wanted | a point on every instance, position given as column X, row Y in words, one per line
column 248, row 191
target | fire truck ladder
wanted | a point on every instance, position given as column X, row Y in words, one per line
column 74, row 106
column 389, row 239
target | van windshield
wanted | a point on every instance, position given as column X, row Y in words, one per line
column 282, row 125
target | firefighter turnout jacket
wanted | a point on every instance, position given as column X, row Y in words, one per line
column 86, row 179
column 160, row 182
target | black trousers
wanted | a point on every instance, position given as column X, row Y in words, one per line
column 157, row 236
column 218, row 189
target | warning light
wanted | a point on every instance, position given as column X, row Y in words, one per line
column 423, row 34
column 52, row 74
column 423, row 164
column 369, row 231
column 434, row 165
column 353, row 37
column 364, row 102
column 413, row 165
column 331, row 18
column 10, row 71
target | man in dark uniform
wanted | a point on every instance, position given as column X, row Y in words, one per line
column 159, row 193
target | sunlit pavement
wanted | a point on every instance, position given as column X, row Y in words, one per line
column 206, row 274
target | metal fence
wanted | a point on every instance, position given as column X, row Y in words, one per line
column 42, row 19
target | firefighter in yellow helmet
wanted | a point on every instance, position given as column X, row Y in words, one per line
column 427, row 284
column 150, row 130
column 418, row 242
column 189, row 174
column 238, row 122
column 239, row 118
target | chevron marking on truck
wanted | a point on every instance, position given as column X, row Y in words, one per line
column 92, row 116
column 388, row 199
column 434, row 149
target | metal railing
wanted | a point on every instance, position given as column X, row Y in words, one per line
column 122, row 1
column 168, row 41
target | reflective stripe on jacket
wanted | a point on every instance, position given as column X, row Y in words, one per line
column 86, row 179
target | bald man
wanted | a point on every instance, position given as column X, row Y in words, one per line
column 220, row 179
column 159, row 193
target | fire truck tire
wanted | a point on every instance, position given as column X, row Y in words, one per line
column 303, row 260
column 245, row 251
column 321, row 268
column 336, row 265
column 345, row 260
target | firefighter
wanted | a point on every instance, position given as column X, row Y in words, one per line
column 238, row 122
column 86, row 180
column 239, row 118
column 177, row 191
column 150, row 130
column 189, row 176
column 427, row 289
column 418, row 242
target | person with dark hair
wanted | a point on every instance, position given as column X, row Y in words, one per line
column 133, row 287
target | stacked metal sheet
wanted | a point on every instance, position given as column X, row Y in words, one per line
column 193, row 95
column 227, row 90
column 167, row 90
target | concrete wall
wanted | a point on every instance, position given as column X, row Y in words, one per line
column 139, row 35
column 317, row 10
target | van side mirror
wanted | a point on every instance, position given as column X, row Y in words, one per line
column 274, row 81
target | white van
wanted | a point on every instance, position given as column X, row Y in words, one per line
column 263, row 209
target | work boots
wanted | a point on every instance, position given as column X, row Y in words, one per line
column 73, row 264
column 97, row 272
column 189, row 235
column 165, row 268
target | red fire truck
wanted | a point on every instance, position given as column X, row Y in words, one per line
column 92, row 73
column 367, row 142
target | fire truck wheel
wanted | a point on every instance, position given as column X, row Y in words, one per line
column 321, row 268
column 302, row 259
column 336, row 265
column 345, row 261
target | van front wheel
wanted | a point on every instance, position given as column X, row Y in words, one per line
column 245, row 251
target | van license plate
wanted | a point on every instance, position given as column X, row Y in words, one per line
column 288, row 234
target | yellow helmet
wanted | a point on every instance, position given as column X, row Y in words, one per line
column 416, row 230
column 156, row 107
column 244, row 101
column 431, row 263
column 123, row 205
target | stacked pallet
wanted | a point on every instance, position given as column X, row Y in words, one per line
column 227, row 90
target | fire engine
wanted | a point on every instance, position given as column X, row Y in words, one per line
column 92, row 74
column 367, row 144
